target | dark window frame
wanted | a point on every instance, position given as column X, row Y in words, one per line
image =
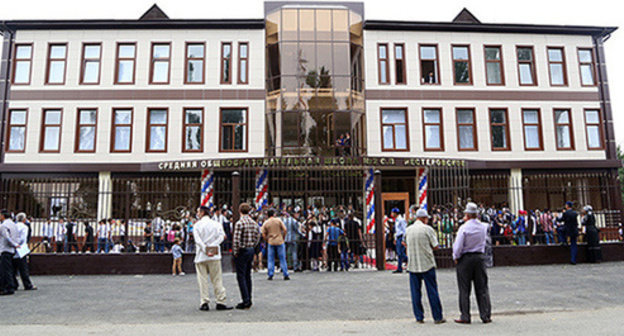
column 393, row 125
column 539, row 128
column 16, row 60
column 49, row 61
column 114, row 128
column 221, row 125
column 201, row 130
column 160, row 59
column 570, row 124
column 531, row 63
column 437, row 62
column 469, row 61
column 474, row 129
column 506, row 125
column 599, row 125
column 501, row 64
column 592, row 65
column 11, row 126
column 386, row 60
column 43, row 130
column 440, row 125
column 240, row 67
column 148, row 133
column 83, row 63
column 223, row 59
column 403, row 60
column 563, row 62
column 79, row 125
column 187, row 59
column 118, row 59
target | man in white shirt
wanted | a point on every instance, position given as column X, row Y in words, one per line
column 59, row 235
column 48, row 235
column 8, row 243
column 21, row 264
column 102, row 236
column 421, row 241
column 208, row 236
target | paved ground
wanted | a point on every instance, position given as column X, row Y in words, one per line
column 536, row 300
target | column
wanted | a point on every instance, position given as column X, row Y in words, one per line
column 516, row 193
column 105, row 196
column 380, row 249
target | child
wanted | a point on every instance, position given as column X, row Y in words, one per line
column 343, row 246
column 176, row 250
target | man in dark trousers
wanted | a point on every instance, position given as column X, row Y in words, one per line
column 8, row 242
column 245, row 238
column 88, row 243
column 570, row 221
column 468, row 254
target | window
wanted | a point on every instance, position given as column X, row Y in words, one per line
column 557, row 67
column 51, row 131
column 494, row 65
column 161, row 57
column 156, row 130
column 57, row 59
column 193, row 130
column 593, row 129
column 587, row 67
column 125, row 64
column 226, row 63
column 121, row 131
column 432, row 126
column 532, row 129
column 16, row 131
column 466, row 130
column 243, row 63
column 382, row 64
column 90, row 66
column 394, row 136
column 233, row 130
column 462, row 72
column 499, row 129
column 526, row 66
column 86, row 129
column 22, row 65
column 399, row 63
column 563, row 129
column 429, row 64
column 195, row 60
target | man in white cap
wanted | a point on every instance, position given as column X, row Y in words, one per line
column 421, row 241
column 468, row 254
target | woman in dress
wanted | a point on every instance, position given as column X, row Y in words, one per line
column 591, row 234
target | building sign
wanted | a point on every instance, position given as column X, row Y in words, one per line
column 307, row 162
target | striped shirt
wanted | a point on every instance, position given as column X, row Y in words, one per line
column 246, row 234
column 420, row 240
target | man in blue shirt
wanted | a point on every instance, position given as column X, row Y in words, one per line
column 333, row 232
column 400, row 224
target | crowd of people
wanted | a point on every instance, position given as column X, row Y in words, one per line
column 14, row 237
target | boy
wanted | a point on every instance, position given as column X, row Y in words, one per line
column 176, row 251
column 343, row 246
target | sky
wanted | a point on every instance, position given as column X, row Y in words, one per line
column 570, row 12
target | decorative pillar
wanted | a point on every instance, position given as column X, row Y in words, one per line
column 262, row 189
column 105, row 196
column 422, row 188
column 380, row 249
column 516, row 193
column 207, row 188
column 369, row 196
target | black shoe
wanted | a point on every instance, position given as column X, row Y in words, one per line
column 440, row 321
column 487, row 321
column 298, row 270
column 270, row 278
column 286, row 278
column 397, row 272
column 223, row 307
column 204, row 307
column 31, row 288
column 6, row 293
column 420, row 321
column 243, row 306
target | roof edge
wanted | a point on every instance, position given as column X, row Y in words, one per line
column 135, row 24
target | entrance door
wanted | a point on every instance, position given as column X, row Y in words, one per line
column 398, row 200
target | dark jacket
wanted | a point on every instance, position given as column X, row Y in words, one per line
column 570, row 220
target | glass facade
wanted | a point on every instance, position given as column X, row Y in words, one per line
column 315, row 100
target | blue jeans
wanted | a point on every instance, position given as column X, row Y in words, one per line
column 432, row 292
column 280, row 250
column 561, row 235
column 344, row 260
column 102, row 245
column 159, row 245
column 291, row 249
column 573, row 248
column 549, row 238
column 400, row 250
column 521, row 238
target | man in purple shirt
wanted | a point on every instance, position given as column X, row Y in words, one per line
column 468, row 256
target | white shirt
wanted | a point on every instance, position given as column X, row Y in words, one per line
column 59, row 233
column 103, row 231
column 22, row 230
column 47, row 230
column 207, row 232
